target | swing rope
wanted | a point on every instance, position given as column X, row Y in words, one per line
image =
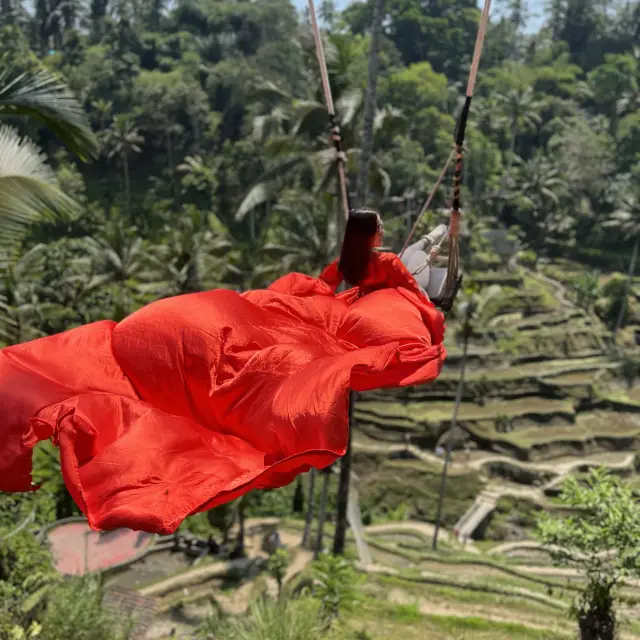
column 335, row 127
column 452, row 282
column 427, row 204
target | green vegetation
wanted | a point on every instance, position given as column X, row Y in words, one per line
column 277, row 567
column 601, row 541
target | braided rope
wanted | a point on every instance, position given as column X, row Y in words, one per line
column 335, row 128
column 427, row 204
column 452, row 282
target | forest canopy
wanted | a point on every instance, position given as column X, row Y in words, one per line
column 215, row 167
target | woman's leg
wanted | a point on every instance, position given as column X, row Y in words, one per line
column 416, row 257
column 412, row 249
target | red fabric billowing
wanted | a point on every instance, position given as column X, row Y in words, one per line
column 192, row 401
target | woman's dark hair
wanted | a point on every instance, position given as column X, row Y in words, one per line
column 362, row 226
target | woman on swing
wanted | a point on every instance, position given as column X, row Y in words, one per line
column 193, row 401
column 360, row 265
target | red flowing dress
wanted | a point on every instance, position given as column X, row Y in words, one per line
column 193, row 401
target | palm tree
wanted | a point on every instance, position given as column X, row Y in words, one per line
column 362, row 193
column 19, row 305
column 299, row 151
column 103, row 113
column 241, row 505
column 304, row 234
column 322, row 514
column 537, row 189
column 311, row 505
column 195, row 256
column 627, row 221
column 122, row 140
column 199, row 178
column 42, row 96
column 518, row 110
column 28, row 191
column 344, row 482
column 121, row 257
column 370, row 103
column 471, row 310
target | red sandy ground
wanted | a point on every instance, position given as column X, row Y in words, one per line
column 77, row 549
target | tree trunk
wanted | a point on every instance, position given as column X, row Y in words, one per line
column 632, row 268
column 170, row 162
column 127, row 191
column 370, row 104
column 343, row 488
column 454, row 419
column 238, row 552
column 326, row 473
column 504, row 182
column 298, row 497
column 306, row 536
column 597, row 620
column 512, row 150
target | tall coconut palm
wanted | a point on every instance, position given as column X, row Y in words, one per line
column 627, row 220
column 311, row 505
column 194, row 257
column 304, row 234
column 322, row 513
column 369, row 111
column 123, row 140
column 122, row 255
column 366, row 144
column 471, row 310
column 518, row 111
column 28, row 191
column 299, row 152
column 537, row 188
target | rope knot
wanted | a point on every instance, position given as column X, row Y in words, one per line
column 454, row 224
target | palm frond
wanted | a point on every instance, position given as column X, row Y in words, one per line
column 8, row 325
column 43, row 96
column 310, row 117
column 258, row 195
column 267, row 90
column 28, row 193
column 348, row 105
column 265, row 190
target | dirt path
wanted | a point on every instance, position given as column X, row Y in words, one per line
column 183, row 580
column 559, row 290
column 461, row 610
column 565, row 572
column 561, row 467
column 424, row 528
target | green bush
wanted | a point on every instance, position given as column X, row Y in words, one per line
column 335, row 585
column 528, row 258
column 601, row 542
column 285, row 620
column 75, row 612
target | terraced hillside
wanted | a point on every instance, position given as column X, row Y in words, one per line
column 543, row 397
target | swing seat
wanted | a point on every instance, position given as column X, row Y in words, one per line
column 443, row 300
column 433, row 280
